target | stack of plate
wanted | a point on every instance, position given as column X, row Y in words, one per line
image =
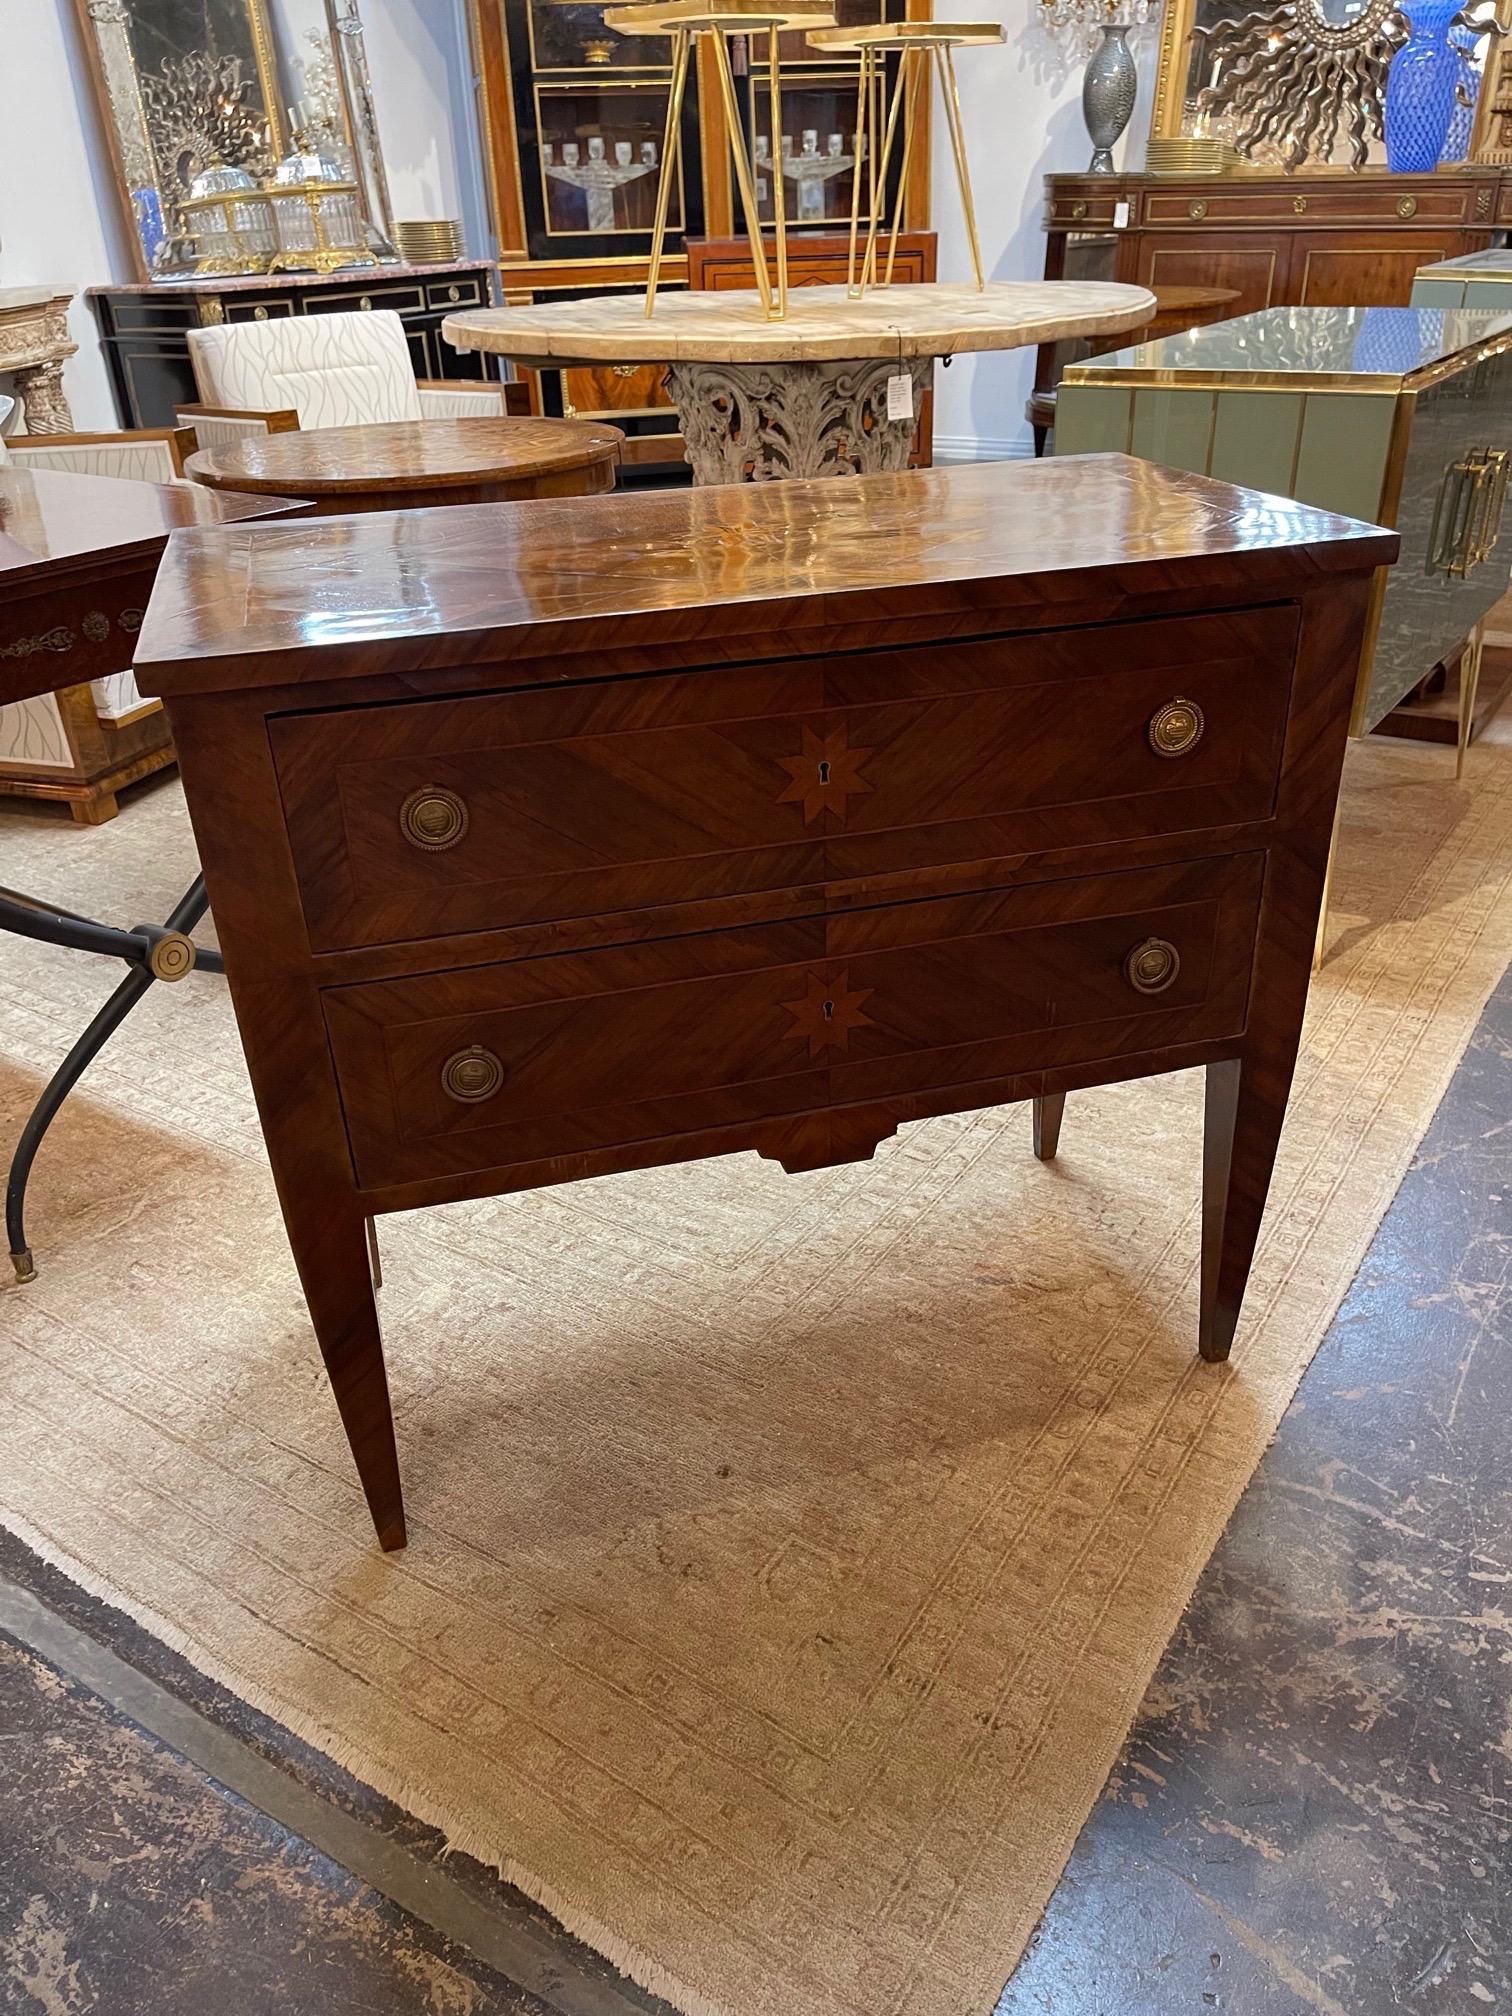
column 1189, row 157
column 430, row 241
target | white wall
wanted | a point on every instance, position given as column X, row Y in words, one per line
column 1021, row 105
column 59, row 222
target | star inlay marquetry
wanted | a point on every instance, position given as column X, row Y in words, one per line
column 824, row 776
column 828, row 1013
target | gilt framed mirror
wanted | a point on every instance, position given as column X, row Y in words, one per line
column 185, row 87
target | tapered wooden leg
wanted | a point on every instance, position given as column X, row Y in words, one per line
column 1242, row 1128
column 1047, row 1122
column 332, row 1255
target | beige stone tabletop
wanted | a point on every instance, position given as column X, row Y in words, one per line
column 821, row 325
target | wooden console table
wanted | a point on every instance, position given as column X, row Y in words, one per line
column 580, row 837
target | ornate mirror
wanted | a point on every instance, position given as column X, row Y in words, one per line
column 198, row 94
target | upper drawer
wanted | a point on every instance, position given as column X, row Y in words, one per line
column 404, row 300
column 453, row 1073
column 466, row 292
column 1342, row 203
column 415, row 820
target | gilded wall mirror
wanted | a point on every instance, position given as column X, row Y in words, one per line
column 198, row 92
column 1301, row 83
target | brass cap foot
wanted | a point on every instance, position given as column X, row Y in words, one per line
column 25, row 1266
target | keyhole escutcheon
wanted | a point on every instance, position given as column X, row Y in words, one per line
column 824, row 771
column 829, row 1011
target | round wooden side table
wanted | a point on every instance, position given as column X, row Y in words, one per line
column 406, row 464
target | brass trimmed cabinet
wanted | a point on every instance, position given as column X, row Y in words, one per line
column 755, row 818
column 1399, row 415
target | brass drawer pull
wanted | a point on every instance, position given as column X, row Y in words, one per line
column 433, row 818
column 1197, row 209
column 1407, row 206
column 471, row 1075
column 1151, row 967
column 454, row 293
column 1176, row 727
column 1467, row 514
column 365, row 301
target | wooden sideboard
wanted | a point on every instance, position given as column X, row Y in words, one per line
column 1330, row 238
column 144, row 329
column 763, row 818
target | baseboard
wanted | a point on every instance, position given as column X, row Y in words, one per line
column 983, row 448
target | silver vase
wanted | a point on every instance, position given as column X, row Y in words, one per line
column 1109, row 88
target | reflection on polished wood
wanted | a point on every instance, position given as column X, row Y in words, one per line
column 594, row 836
column 409, row 463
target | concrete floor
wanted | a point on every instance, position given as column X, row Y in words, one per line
column 1312, row 1814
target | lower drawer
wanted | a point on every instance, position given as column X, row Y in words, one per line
column 454, row 1073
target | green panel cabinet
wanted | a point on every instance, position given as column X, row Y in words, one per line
column 1479, row 280
column 1398, row 415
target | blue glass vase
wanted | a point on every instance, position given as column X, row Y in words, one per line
column 1420, row 89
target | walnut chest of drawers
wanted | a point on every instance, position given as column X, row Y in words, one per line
column 548, row 840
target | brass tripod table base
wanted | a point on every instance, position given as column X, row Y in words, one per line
column 714, row 20
column 924, row 49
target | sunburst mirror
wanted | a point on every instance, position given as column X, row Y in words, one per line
column 1299, row 83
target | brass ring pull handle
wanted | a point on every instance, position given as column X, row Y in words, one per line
column 471, row 1075
column 1197, row 209
column 433, row 818
column 1407, row 206
column 1152, row 966
column 1176, row 727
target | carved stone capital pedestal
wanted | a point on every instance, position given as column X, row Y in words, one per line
column 765, row 423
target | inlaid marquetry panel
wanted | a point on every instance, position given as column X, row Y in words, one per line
column 626, row 1044
column 601, row 796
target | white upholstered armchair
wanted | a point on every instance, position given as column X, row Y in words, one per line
column 318, row 371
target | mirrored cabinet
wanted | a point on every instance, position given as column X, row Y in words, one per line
column 573, row 116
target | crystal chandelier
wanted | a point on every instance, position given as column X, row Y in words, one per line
column 1078, row 21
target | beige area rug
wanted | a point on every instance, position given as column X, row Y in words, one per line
column 789, row 1554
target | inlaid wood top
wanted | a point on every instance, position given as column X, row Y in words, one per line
column 410, row 591
column 924, row 319
column 52, row 522
column 404, row 455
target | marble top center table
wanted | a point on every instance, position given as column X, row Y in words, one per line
column 762, row 400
